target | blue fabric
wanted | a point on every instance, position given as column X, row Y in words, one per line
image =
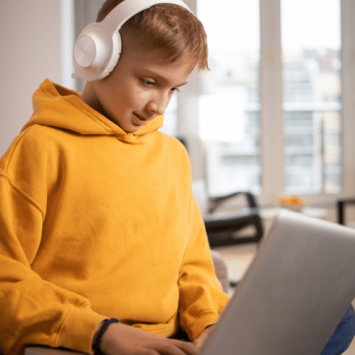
column 342, row 336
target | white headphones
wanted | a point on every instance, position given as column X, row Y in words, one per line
column 98, row 48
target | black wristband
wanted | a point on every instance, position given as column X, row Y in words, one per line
column 102, row 331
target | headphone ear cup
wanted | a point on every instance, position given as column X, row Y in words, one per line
column 90, row 50
column 93, row 52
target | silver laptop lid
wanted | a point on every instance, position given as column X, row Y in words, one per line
column 294, row 294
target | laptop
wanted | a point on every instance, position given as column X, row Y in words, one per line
column 293, row 295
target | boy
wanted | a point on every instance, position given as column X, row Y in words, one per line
column 97, row 219
column 98, row 222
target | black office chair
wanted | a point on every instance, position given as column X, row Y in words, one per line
column 341, row 205
column 222, row 229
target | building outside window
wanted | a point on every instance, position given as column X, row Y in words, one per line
column 312, row 96
column 229, row 100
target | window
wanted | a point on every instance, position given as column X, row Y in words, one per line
column 274, row 110
column 312, row 96
column 229, row 100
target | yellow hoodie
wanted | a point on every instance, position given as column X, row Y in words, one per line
column 95, row 223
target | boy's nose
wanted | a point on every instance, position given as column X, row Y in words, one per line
column 157, row 105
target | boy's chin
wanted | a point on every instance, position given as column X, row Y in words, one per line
column 131, row 129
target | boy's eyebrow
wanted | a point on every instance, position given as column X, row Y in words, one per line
column 153, row 73
column 178, row 86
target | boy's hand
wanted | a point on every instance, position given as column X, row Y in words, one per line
column 203, row 336
column 125, row 340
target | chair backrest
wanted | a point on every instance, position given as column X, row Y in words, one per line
column 221, row 228
column 342, row 203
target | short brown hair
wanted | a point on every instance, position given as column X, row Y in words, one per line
column 166, row 27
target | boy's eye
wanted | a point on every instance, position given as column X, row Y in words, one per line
column 148, row 82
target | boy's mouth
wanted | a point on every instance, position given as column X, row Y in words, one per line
column 140, row 117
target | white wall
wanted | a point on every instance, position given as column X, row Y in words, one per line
column 30, row 44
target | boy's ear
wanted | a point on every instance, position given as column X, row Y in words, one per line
column 98, row 47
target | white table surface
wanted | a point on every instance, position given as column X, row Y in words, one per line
column 270, row 213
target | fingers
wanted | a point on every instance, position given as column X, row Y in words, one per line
column 178, row 347
column 187, row 347
column 149, row 352
column 203, row 337
column 169, row 348
column 198, row 343
column 190, row 349
column 125, row 340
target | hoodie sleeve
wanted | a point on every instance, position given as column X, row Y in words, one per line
column 33, row 311
column 201, row 297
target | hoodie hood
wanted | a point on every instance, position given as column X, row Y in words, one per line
column 59, row 107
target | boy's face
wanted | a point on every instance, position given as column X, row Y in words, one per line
column 139, row 88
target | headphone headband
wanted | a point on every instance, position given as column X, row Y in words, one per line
column 127, row 9
column 98, row 48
